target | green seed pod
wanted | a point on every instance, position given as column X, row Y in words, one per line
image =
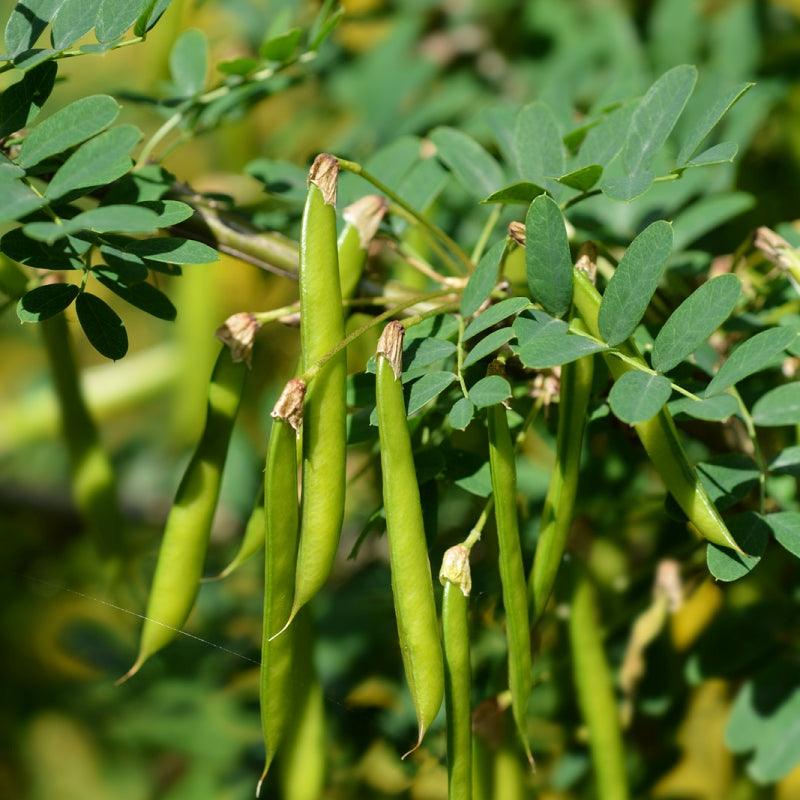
column 363, row 219
column 324, row 418
column 576, row 386
column 594, row 682
column 512, row 573
column 412, row 587
column 455, row 577
column 183, row 547
column 281, row 513
column 659, row 435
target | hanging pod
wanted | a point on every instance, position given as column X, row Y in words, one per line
column 324, row 418
column 412, row 587
column 188, row 527
column 512, row 572
column 455, row 577
column 559, row 505
column 658, row 435
column 281, row 515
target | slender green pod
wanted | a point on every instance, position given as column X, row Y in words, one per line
column 94, row 486
column 455, row 577
column 594, row 682
column 183, row 547
column 324, row 418
column 512, row 573
column 363, row 219
column 412, row 587
column 302, row 760
column 658, row 435
column 281, row 514
column 574, row 392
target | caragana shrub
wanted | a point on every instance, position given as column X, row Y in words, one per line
column 523, row 367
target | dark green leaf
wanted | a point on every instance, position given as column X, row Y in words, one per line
column 173, row 250
column 17, row 200
column 426, row 388
column 474, row 168
column 66, row 254
column 95, row 163
column 74, row 19
column 785, row 526
column 169, row 212
column 779, row 406
column 188, row 62
column 27, row 23
column 483, row 279
column 46, row 301
column 787, row 462
column 68, row 127
column 547, row 256
column 121, row 266
column 711, row 116
column 23, row 100
column 461, row 414
column 488, row 345
column 496, row 313
column 103, row 219
column 695, row 319
column 751, row 533
column 423, row 352
column 635, row 280
column 638, row 396
column 655, row 117
column 750, row 357
column 520, row 193
column 115, row 18
column 717, row 408
column 103, row 328
column 281, row 47
column 490, row 391
column 144, row 296
column 583, row 178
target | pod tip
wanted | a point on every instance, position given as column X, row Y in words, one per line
column 365, row 216
column 289, row 621
column 390, row 346
column 137, row 665
column 324, row 174
column 414, row 749
column 237, row 333
column 289, row 406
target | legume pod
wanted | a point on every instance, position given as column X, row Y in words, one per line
column 595, row 686
column 512, row 573
column 412, row 587
column 576, row 386
column 659, row 435
column 363, row 218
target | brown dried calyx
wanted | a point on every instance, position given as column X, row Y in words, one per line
column 238, row 333
column 365, row 216
column 516, row 230
column 455, row 568
column 776, row 249
column 587, row 261
column 390, row 346
column 290, row 404
column 324, row 174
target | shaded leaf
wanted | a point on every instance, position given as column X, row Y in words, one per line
column 102, row 326
column 46, row 301
column 547, row 256
column 67, row 127
column 712, row 409
column 779, row 406
column 426, row 388
column 461, row 414
column 150, row 16
column 142, row 295
column 103, row 219
column 751, row 533
column 638, row 396
column 188, row 62
column 496, row 313
column 27, row 23
column 95, row 163
column 695, row 319
column 634, row 282
column 423, row 352
column 488, row 345
column 474, row 168
column 173, row 250
column 483, row 279
column 707, row 214
column 750, row 357
column 490, row 391
column 787, row 462
column 520, row 193
column 66, row 254
column 785, row 526
column 23, row 100
column 583, row 178
column 722, row 153
column 17, row 200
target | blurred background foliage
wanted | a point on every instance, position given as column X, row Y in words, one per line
column 187, row 727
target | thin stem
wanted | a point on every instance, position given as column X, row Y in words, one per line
column 158, row 136
column 579, row 198
column 436, row 246
column 460, row 357
column 750, row 427
column 483, row 239
column 434, row 230
column 415, row 260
